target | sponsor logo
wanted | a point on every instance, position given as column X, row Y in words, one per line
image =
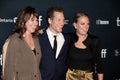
column 4, row 20
column 66, row 21
column 102, row 22
column 117, row 53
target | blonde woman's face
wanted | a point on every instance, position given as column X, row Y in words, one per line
column 82, row 25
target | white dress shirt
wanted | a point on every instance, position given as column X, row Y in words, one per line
column 60, row 40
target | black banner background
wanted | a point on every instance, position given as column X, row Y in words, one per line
column 105, row 22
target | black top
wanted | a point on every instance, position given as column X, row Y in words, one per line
column 34, row 51
column 80, row 58
column 86, row 59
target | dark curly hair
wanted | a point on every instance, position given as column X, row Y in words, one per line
column 22, row 18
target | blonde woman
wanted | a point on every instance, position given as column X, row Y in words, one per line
column 84, row 54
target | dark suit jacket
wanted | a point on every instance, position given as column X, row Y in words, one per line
column 52, row 68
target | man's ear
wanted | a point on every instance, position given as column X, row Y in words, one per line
column 49, row 20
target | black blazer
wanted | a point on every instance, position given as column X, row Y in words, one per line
column 52, row 68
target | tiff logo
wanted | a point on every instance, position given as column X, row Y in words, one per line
column 1, row 59
column 103, row 53
column 118, row 21
column 40, row 20
column 39, row 23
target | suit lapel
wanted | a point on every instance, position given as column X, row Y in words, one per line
column 64, row 46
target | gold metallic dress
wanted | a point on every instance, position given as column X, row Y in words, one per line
column 79, row 75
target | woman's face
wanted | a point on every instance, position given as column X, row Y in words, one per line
column 31, row 24
column 82, row 25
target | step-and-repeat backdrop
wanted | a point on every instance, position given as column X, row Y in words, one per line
column 105, row 22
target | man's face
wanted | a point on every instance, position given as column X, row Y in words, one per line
column 57, row 22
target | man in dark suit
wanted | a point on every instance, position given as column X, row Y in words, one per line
column 53, row 64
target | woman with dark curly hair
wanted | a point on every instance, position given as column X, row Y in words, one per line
column 21, row 51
